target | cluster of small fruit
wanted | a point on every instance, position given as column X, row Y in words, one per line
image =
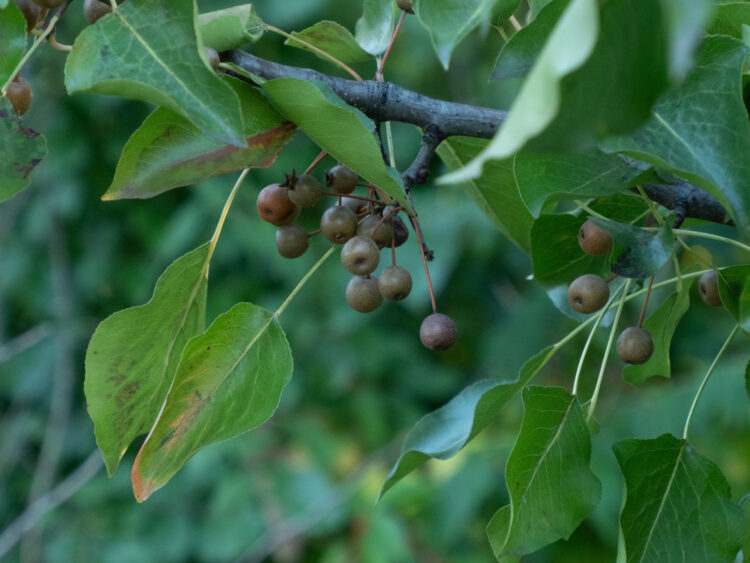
column 589, row 293
column 364, row 226
column 19, row 92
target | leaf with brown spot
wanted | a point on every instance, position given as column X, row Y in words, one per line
column 21, row 149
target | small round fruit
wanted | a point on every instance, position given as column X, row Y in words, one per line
column 94, row 10
column 438, row 332
column 588, row 293
column 400, row 231
column 395, row 283
column 708, row 286
column 594, row 240
column 362, row 294
column 360, row 255
column 341, row 179
column 48, row 3
column 275, row 206
column 405, row 5
column 378, row 230
column 19, row 95
column 31, row 12
column 338, row 224
column 291, row 241
column 306, row 191
column 356, row 205
column 635, row 345
column 213, row 57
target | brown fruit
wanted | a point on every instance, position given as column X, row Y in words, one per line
column 94, row 10
column 378, row 230
column 588, row 293
column 275, row 206
column 405, row 5
column 31, row 12
column 213, row 57
column 341, row 179
column 19, row 94
column 291, row 241
column 594, row 240
column 362, row 294
column 360, row 255
column 708, row 286
column 400, row 231
column 338, row 224
column 305, row 191
column 438, row 332
column 635, row 345
column 48, row 3
column 395, row 283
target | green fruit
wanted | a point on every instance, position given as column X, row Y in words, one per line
column 362, row 294
column 438, row 332
column 708, row 286
column 378, row 230
column 635, row 345
column 588, row 293
column 341, row 179
column 19, row 95
column 594, row 240
column 395, row 283
column 306, row 191
column 291, row 241
column 275, row 206
column 360, row 255
column 338, row 224
column 31, row 12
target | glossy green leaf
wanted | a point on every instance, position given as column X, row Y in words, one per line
column 374, row 29
column 550, row 177
column 678, row 504
column 343, row 131
column 148, row 50
column 449, row 21
column 552, row 489
column 662, row 324
column 333, row 39
column 167, row 151
column 230, row 28
column 698, row 146
column 229, row 380
column 12, row 39
column 21, row 149
column 536, row 6
column 686, row 22
column 133, row 355
column 637, row 253
column 729, row 18
column 732, row 283
column 519, row 54
column 555, row 254
column 495, row 192
column 442, row 433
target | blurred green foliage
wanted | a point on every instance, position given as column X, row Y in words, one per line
column 302, row 487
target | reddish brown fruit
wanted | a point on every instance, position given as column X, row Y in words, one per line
column 405, row 5
column 275, row 206
column 31, row 12
column 635, row 345
column 594, row 240
column 438, row 332
column 708, row 286
column 48, row 3
column 19, row 94
column 588, row 293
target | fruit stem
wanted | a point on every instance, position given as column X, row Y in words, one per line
column 599, row 318
column 705, row 381
column 315, row 162
column 38, row 41
column 379, row 72
column 223, row 216
column 393, row 249
column 312, row 47
column 588, row 210
column 303, row 281
column 651, row 206
column 514, row 22
column 418, row 231
column 57, row 45
column 600, row 378
column 645, row 301
column 700, row 234
column 611, row 278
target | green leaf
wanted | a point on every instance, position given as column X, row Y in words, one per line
column 637, row 253
column 698, row 146
column 12, row 39
column 167, row 151
column 21, row 149
column 229, row 380
column 374, row 29
column 729, row 18
column 555, row 254
column 552, row 488
column 230, row 28
column 536, row 6
column 662, row 324
column 133, row 355
column 677, row 502
column 442, row 433
column 686, row 22
column 332, row 38
column 551, row 177
column 341, row 130
column 733, row 290
column 747, row 380
column 745, row 307
column 495, row 192
column 502, row 10
column 148, row 50
column 449, row 22
column 519, row 54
